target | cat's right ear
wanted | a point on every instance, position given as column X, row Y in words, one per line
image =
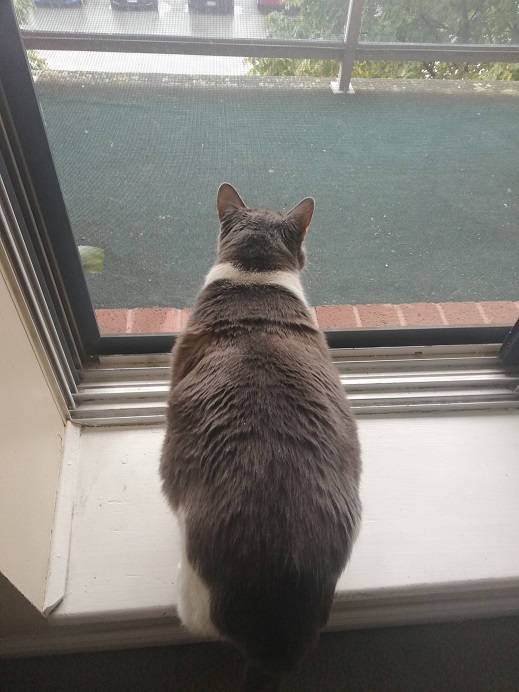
column 228, row 200
column 302, row 215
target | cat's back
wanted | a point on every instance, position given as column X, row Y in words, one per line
column 262, row 370
column 260, row 424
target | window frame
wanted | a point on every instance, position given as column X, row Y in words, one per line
column 50, row 229
column 509, row 351
column 53, row 246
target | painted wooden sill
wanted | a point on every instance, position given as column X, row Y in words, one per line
column 439, row 536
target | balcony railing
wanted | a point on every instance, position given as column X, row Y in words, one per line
column 347, row 50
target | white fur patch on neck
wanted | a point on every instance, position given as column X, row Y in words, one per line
column 228, row 272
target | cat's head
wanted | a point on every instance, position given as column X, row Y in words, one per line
column 261, row 239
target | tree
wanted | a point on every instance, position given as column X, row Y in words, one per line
column 21, row 8
column 421, row 21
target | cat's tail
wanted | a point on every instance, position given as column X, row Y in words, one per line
column 275, row 628
column 257, row 680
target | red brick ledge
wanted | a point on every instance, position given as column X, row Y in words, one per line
column 497, row 312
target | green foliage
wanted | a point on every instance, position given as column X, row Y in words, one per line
column 315, row 19
column 21, row 8
column 420, row 21
column 286, row 67
column 442, row 21
column 92, row 258
column 435, row 70
column 36, row 62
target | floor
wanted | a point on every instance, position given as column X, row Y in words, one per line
column 478, row 656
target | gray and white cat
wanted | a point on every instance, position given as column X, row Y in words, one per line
column 261, row 461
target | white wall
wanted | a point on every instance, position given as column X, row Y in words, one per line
column 32, row 422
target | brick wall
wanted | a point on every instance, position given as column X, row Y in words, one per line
column 497, row 312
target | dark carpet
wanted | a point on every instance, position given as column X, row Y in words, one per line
column 465, row 657
column 416, row 184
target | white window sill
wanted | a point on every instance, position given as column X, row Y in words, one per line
column 439, row 535
column 438, row 541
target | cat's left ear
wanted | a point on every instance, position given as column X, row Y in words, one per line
column 228, row 199
column 302, row 215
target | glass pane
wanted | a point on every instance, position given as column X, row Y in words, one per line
column 441, row 21
column 415, row 182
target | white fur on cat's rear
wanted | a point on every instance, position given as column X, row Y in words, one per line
column 227, row 271
column 193, row 594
